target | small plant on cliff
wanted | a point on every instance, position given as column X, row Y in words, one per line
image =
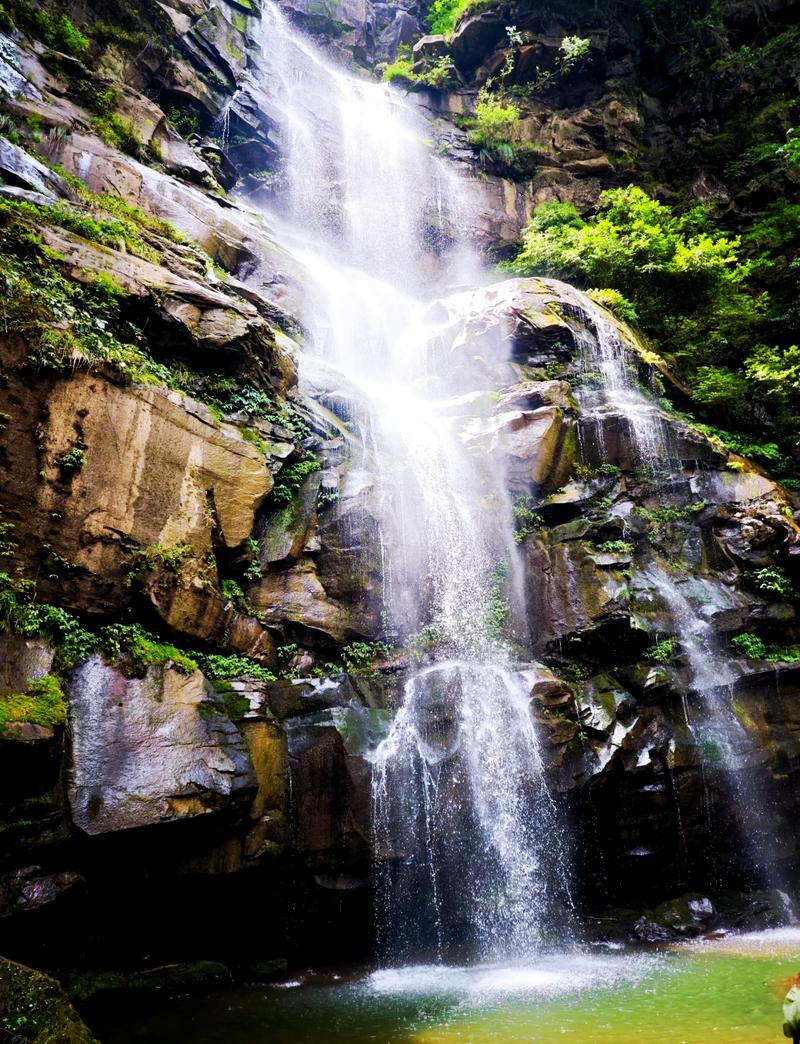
column 424, row 643
column 498, row 607
column 772, row 580
column 526, row 519
column 164, row 559
column 663, row 651
column 359, row 657
column 754, row 648
column 221, row 668
column 749, row 645
column 72, row 461
column 49, row 23
column 291, row 477
column 399, row 70
column 615, row 547
column 137, row 649
column 616, row 303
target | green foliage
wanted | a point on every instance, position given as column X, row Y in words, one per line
column 42, row 703
column 526, row 519
column 399, row 70
column 663, row 651
column 667, row 515
column 119, row 134
column 771, row 580
column 164, row 559
column 754, row 648
column 616, row 303
column 291, row 476
column 498, row 607
column 615, row 547
column 749, row 645
column 131, row 645
column 253, row 571
column 185, row 121
column 495, row 119
column 704, row 296
column 587, row 472
column 121, row 233
column 72, row 461
column 66, row 324
column 443, row 14
column 221, row 668
column 137, row 650
column 235, row 395
column 49, row 23
column 232, row 592
column 360, row 657
column 424, row 643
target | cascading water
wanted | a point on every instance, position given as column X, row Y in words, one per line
column 468, row 840
column 720, row 735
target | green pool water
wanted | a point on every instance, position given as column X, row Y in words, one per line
column 729, row 990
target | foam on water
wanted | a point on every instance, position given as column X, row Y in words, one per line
column 556, row 975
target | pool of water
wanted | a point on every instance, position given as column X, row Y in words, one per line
column 728, row 990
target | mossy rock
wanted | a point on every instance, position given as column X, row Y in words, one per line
column 33, row 1007
column 97, row 991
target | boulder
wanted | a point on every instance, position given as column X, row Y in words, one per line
column 151, row 750
column 33, row 1000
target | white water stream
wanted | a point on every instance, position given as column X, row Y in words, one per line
column 469, row 845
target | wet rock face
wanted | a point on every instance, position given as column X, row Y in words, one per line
column 145, row 751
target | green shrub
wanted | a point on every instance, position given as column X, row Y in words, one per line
column 616, row 303
column 495, row 118
column 705, row 297
column 526, row 519
column 137, row 650
column 359, row 657
column 72, row 461
column 663, row 651
column 749, row 645
column 498, row 607
column 219, row 667
column 51, row 26
column 291, row 477
column 772, row 580
column 615, row 547
column 399, row 70
column 162, row 558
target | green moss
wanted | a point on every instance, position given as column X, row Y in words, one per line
column 35, row 1008
column 42, row 703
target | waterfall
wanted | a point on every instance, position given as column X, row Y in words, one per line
column 468, row 842
column 721, row 737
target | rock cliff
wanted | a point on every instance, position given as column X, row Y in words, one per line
column 193, row 663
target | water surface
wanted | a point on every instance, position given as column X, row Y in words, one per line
column 729, row 990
